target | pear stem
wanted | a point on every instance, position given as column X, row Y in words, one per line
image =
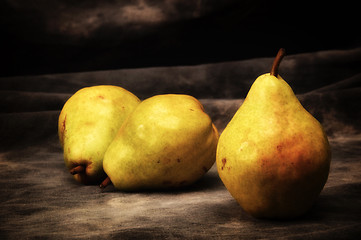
column 276, row 63
column 77, row 169
column 105, row 183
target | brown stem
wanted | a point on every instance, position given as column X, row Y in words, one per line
column 105, row 183
column 276, row 63
column 77, row 169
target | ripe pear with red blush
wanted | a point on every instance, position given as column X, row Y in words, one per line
column 273, row 156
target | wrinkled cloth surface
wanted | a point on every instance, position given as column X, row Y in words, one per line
column 39, row 199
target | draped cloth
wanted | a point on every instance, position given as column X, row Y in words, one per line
column 40, row 199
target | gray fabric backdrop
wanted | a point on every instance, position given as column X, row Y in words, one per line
column 39, row 198
column 209, row 49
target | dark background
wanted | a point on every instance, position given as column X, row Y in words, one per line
column 210, row 49
column 56, row 36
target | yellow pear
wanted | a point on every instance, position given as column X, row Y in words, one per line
column 273, row 156
column 88, row 123
column 167, row 142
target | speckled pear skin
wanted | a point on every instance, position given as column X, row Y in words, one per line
column 167, row 142
column 273, row 156
column 88, row 123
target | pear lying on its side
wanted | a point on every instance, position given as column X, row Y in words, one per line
column 168, row 141
column 273, row 156
column 88, row 123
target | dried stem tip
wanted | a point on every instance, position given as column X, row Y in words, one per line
column 276, row 63
column 105, row 183
column 77, row 169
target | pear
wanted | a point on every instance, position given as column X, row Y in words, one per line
column 167, row 142
column 88, row 123
column 273, row 156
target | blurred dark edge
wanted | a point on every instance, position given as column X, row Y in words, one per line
column 237, row 30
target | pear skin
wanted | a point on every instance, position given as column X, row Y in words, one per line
column 167, row 142
column 88, row 123
column 273, row 156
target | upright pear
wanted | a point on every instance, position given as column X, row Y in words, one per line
column 167, row 142
column 88, row 123
column 273, row 156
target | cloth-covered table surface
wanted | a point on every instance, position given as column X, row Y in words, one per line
column 39, row 199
